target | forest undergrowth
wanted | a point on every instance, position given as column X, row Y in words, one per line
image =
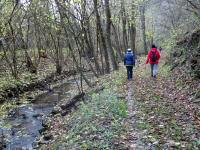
column 100, row 122
column 167, row 114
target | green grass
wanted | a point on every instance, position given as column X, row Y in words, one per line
column 165, row 70
column 143, row 125
column 4, row 108
column 156, row 97
column 99, row 122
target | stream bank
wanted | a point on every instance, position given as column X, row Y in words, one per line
column 20, row 87
column 24, row 124
column 99, row 122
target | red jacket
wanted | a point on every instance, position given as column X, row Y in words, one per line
column 149, row 56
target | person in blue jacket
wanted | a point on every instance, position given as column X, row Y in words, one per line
column 129, row 62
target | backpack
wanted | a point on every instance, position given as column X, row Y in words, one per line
column 153, row 56
column 129, row 59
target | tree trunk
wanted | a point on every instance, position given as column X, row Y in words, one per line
column 13, row 52
column 29, row 63
column 56, row 44
column 118, row 46
column 88, row 38
column 124, row 25
column 100, row 32
column 58, row 57
column 142, row 12
column 38, row 39
column 79, row 69
column 108, row 33
column 132, row 28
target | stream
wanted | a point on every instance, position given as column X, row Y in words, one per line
column 21, row 128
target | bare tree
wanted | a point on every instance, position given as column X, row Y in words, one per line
column 108, row 33
column 102, row 37
column 132, row 26
column 124, row 25
column 143, row 26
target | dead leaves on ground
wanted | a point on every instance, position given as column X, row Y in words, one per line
column 166, row 113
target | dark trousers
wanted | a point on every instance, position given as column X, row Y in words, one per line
column 129, row 72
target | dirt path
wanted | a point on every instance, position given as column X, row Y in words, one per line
column 161, row 112
column 135, row 136
column 135, row 140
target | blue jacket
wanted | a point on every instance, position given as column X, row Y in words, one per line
column 129, row 59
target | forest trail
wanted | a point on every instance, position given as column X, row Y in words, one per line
column 70, row 53
column 134, row 139
column 142, row 114
column 136, row 135
column 160, row 111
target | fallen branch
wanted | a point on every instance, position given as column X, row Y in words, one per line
column 73, row 101
column 66, row 108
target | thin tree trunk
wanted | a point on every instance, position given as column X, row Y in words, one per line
column 79, row 69
column 81, row 45
column 142, row 11
column 100, row 51
column 38, row 39
column 88, row 39
column 58, row 54
column 100, row 32
column 124, row 25
column 14, row 53
column 91, row 46
column 108, row 33
column 118, row 47
column 132, row 27
column 29, row 63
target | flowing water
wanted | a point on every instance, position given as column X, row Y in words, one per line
column 22, row 127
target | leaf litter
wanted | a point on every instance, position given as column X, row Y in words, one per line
column 165, row 108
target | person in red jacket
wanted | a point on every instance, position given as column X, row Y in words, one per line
column 153, row 58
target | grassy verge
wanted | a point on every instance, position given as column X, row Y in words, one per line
column 97, row 124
